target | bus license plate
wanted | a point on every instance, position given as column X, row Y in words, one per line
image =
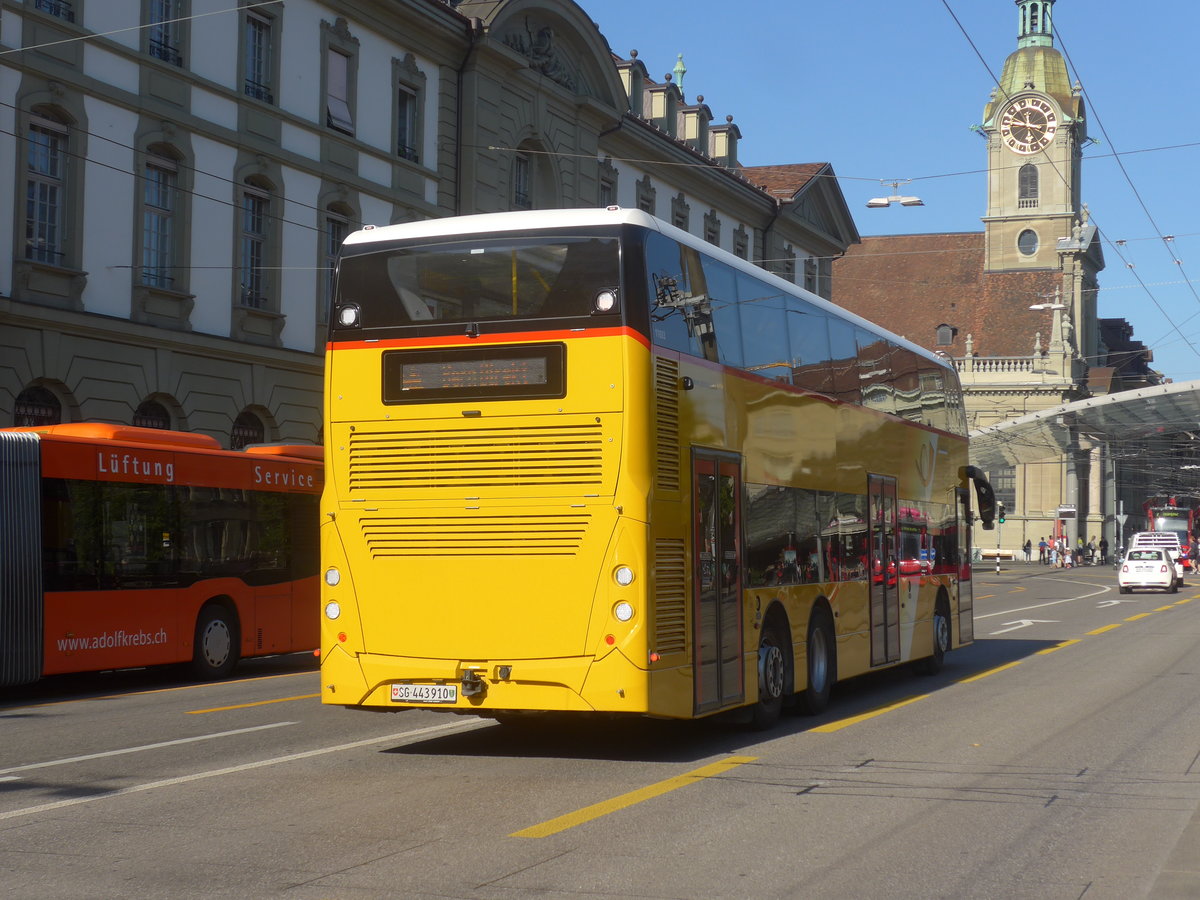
column 424, row 693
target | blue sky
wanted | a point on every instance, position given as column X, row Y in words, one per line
column 889, row 89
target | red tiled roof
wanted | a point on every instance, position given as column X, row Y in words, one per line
column 782, row 181
column 912, row 283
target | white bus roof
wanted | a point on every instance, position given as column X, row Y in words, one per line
column 524, row 220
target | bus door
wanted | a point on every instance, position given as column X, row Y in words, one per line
column 966, row 599
column 885, row 570
column 716, row 573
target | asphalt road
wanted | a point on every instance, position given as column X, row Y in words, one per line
column 1057, row 757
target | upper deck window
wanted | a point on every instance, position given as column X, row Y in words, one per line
column 482, row 280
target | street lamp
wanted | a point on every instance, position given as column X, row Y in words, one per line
column 879, row 202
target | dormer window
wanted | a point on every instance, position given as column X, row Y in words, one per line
column 946, row 335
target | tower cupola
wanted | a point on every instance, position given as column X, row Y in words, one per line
column 1037, row 28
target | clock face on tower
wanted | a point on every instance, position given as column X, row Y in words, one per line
column 1028, row 125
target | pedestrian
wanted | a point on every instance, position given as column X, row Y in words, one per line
column 1091, row 547
column 1054, row 555
column 1068, row 558
column 1103, row 551
column 1042, row 548
column 1028, row 548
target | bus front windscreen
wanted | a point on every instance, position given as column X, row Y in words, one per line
column 485, row 279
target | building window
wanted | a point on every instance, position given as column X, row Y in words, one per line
column 247, row 429
column 337, row 226
column 256, row 59
column 406, row 124
column 741, row 242
column 45, row 191
column 152, row 414
column 681, row 212
column 945, row 335
column 1027, row 187
column 337, row 92
column 36, row 406
column 810, row 274
column 712, row 228
column 522, row 188
column 646, row 195
column 163, row 33
column 1027, row 242
column 61, row 9
column 1004, row 483
column 255, row 212
column 159, row 194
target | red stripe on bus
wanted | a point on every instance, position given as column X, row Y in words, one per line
column 524, row 337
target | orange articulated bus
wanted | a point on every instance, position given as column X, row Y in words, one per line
column 582, row 461
column 123, row 547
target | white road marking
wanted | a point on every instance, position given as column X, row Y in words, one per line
column 1025, row 623
column 401, row 739
column 1009, row 612
column 191, row 740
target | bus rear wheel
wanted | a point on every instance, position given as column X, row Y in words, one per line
column 773, row 668
column 820, row 664
column 931, row 665
column 215, row 648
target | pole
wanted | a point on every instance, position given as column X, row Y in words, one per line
column 998, row 527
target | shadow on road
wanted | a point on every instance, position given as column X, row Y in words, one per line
column 587, row 736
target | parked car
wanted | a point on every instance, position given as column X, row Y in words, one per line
column 1148, row 567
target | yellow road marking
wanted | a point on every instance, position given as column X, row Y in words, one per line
column 983, row 675
column 1018, row 590
column 830, row 727
column 1058, row 646
column 197, row 712
column 1104, row 628
column 1165, row 608
column 984, row 596
column 1138, row 616
column 596, row 810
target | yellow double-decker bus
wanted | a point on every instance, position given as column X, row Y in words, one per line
column 580, row 460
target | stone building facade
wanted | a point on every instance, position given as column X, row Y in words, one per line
column 178, row 192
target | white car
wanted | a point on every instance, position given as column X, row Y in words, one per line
column 1147, row 567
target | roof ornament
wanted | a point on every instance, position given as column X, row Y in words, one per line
column 680, row 70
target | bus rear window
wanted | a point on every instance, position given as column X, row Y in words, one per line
column 481, row 279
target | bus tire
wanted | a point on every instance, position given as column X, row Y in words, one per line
column 931, row 665
column 820, row 663
column 774, row 665
column 215, row 647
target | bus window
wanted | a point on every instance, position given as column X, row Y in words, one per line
column 764, row 328
column 875, row 371
column 677, row 312
column 477, row 280
column 843, row 354
column 722, row 289
column 808, row 333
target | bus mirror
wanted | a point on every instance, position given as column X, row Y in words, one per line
column 985, row 496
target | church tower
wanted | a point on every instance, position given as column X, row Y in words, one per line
column 1035, row 126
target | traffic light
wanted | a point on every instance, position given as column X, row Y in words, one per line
column 1000, row 514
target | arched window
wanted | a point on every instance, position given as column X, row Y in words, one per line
column 152, row 414
column 247, row 429
column 36, row 406
column 1027, row 242
column 945, row 335
column 1027, row 187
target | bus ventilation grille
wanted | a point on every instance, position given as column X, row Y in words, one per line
column 550, row 534
column 466, row 458
column 670, row 623
column 666, row 387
